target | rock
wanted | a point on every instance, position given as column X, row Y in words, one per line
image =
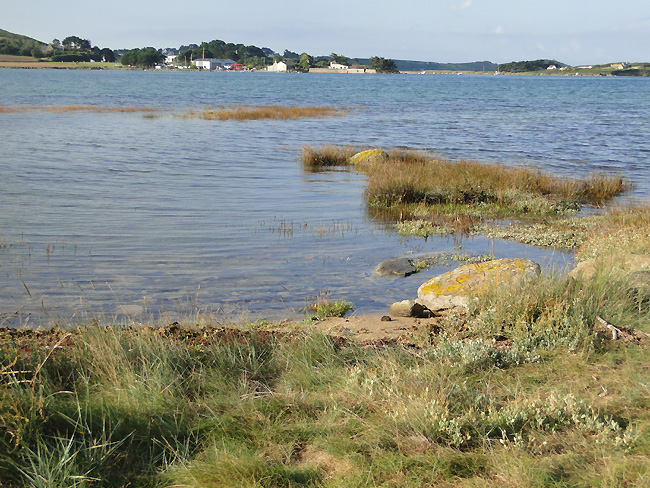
column 397, row 266
column 401, row 309
column 409, row 308
column 369, row 156
column 386, row 318
column 453, row 289
column 621, row 264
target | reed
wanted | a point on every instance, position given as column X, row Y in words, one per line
column 326, row 157
column 278, row 112
column 75, row 108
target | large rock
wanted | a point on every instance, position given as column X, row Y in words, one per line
column 453, row 289
column 621, row 264
column 369, row 156
column 397, row 267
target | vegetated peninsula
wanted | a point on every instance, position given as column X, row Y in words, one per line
column 19, row 51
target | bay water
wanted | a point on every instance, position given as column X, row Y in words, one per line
column 112, row 213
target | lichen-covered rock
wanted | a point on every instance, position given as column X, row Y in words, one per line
column 453, row 289
column 621, row 264
column 398, row 267
column 369, row 156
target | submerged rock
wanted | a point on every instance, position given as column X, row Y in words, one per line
column 453, row 289
column 369, row 156
column 397, row 267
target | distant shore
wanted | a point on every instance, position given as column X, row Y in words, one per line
column 20, row 62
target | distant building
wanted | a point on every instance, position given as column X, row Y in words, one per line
column 278, row 67
column 170, row 58
column 552, row 67
column 334, row 65
column 212, row 64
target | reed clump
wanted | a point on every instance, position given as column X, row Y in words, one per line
column 279, row 112
column 330, row 156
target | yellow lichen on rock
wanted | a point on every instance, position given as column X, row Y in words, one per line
column 452, row 289
column 369, row 156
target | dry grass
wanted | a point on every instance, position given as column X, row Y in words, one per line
column 265, row 112
column 414, row 178
column 269, row 112
column 620, row 229
column 326, row 156
column 75, row 108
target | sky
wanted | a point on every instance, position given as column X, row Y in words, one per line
column 574, row 32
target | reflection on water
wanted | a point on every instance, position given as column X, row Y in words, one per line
column 117, row 213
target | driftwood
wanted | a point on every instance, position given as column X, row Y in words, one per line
column 614, row 333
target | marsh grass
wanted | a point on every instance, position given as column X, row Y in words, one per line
column 264, row 112
column 429, row 196
column 321, row 307
column 279, row 112
column 75, row 108
column 326, row 157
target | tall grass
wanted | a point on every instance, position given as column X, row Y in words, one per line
column 317, row 159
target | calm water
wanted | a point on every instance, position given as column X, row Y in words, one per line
column 112, row 213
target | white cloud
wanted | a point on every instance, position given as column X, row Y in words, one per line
column 499, row 29
column 465, row 4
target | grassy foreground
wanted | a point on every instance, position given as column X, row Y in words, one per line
column 519, row 392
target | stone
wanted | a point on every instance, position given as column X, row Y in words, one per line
column 369, row 156
column 398, row 267
column 409, row 308
column 453, row 290
column 621, row 264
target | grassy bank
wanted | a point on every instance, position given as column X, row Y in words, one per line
column 519, row 392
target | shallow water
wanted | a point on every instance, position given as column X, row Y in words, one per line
column 109, row 213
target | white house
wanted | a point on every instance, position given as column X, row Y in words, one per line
column 170, row 58
column 278, row 66
column 334, row 65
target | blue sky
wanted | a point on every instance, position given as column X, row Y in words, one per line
column 571, row 31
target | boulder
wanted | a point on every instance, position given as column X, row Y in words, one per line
column 397, row 267
column 621, row 264
column 369, row 156
column 453, row 289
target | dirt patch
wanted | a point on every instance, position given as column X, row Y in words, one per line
column 371, row 329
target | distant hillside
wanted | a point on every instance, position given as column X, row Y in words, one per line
column 529, row 66
column 406, row 65
column 477, row 66
column 18, row 45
